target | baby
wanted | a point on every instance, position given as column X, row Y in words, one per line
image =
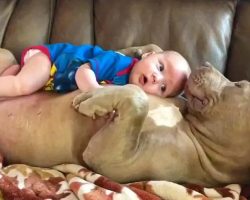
column 64, row 67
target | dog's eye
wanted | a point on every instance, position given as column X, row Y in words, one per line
column 242, row 84
column 238, row 84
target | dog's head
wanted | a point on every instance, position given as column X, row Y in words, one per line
column 213, row 98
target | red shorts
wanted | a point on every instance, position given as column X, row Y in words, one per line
column 30, row 51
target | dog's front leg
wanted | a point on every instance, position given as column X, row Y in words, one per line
column 111, row 148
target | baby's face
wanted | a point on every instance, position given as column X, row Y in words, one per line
column 162, row 74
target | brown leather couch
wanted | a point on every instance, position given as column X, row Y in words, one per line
column 217, row 31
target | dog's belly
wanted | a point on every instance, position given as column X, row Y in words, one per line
column 43, row 130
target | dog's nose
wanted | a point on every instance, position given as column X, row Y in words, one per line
column 205, row 68
column 207, row 64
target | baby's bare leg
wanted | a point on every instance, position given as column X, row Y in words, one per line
column 32, row 77
column 11, row 70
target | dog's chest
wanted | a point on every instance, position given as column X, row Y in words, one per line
column 162, row 116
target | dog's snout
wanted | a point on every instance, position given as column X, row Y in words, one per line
column 205, row 68
column 207, row 65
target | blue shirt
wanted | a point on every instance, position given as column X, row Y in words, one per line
column 109, row 66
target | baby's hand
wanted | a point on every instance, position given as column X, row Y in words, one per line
column 89, row 89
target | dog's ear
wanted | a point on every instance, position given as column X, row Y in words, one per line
column 138, row 53
column 144, row 55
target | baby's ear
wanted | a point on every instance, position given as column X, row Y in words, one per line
column 147, row 54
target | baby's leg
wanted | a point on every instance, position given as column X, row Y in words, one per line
column 32, row 77
column 11, row 70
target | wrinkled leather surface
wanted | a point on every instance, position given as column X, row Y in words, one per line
column 29, row 24
column 33, row 22
column 73, row 22
column 239, row 53
column 200, row 30
column 217, row 31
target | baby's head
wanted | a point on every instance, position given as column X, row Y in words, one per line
column 163, row 74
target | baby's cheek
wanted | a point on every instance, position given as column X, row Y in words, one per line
column 152, row 89
column 179, row 87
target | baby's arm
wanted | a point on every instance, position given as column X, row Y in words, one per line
column 85, row 78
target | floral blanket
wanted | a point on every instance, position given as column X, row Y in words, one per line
column 74, row 182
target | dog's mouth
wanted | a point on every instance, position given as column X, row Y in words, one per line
column 143, row 79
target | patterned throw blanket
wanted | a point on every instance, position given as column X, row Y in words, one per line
column 74, row 182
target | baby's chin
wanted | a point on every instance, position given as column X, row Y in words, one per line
column 133, row 80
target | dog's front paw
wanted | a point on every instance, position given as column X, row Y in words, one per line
column 80, row 98
column 91, row 104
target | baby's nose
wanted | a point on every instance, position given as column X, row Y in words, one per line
column 156, row 78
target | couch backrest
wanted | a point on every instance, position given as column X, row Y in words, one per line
column 217, row 31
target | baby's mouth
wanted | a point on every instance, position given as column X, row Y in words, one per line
column 143, row 79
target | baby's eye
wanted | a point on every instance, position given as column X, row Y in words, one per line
column 163, row 88
column 161, row 68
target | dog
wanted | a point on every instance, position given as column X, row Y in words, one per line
column 126, row 135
